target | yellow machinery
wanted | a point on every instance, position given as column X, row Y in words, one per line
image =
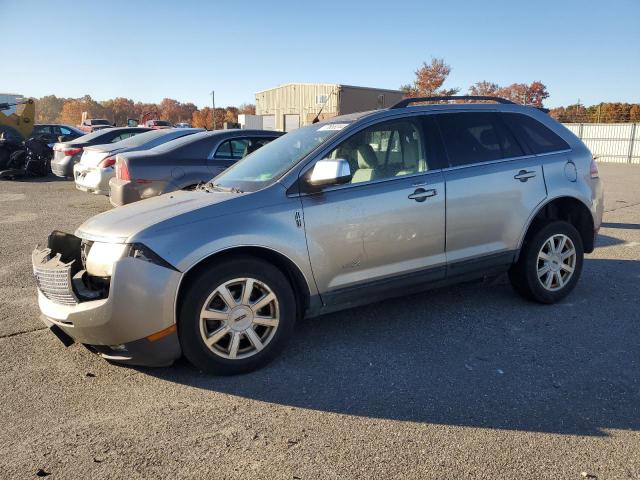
column 22, row 120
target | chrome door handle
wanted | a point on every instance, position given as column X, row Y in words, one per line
column 524, row 175
column 420, row 195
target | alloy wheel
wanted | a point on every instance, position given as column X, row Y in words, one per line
column 239, row 318
column 556, row 262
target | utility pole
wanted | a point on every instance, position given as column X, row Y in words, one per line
column 213, row 101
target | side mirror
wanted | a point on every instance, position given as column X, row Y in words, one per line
column 330, row 172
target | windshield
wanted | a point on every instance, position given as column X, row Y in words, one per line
column 100, row 122
column 267, row 164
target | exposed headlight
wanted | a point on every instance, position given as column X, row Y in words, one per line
column 102, row 256
column 142, row 252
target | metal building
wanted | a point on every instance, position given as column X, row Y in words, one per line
column 294, row 105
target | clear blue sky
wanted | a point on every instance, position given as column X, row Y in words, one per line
column 148, row 50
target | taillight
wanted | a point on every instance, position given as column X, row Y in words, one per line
column 107, row 162
column 70, row 152
column 122, row 171
column 593, row 169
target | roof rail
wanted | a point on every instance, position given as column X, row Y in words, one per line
column 407, row 101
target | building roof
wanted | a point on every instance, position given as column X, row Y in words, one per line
column 335, row 85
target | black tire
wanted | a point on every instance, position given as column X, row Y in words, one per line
column 198, row 291
column 524, row 273
column 17, row 159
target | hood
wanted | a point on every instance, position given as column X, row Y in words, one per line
column 116, row 226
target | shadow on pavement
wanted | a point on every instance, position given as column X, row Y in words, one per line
column 624, row 226
column 473, row 355
column 607, row 241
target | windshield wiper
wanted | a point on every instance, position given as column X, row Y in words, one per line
column 216, row 187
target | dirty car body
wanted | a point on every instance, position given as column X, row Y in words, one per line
column 348, row 211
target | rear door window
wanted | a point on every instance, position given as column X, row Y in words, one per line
column 537, row 136
column 239, row 148
column 476, row 137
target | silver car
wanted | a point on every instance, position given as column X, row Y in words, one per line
column 181, row 164
column 97, row 164
column 67, row 154
column 329, row 216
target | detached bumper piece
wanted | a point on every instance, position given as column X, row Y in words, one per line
column 53, row 277
column 59, row 273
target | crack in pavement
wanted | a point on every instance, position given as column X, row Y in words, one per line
column 9, row 335
column 624, row 206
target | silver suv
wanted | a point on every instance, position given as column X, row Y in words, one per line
column 329, row 216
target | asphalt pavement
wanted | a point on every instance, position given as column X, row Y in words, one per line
column 470, row 381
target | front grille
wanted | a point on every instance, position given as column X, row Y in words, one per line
column 53, row 277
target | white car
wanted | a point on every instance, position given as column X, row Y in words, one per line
column 96, row 166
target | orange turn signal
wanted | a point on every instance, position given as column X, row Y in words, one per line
column 162, row 333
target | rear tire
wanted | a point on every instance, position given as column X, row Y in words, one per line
column 17, row 159
column 222, row 327
column 550, row 263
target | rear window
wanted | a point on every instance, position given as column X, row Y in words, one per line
column 100, row 122
column 537, row 136
column 198, row 145
column 142, row 138
column 107, row 135
column 473, row 137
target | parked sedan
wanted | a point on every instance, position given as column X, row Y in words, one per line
column 67, row 154
column 182, row 164
column 95, row 169
column 51, row 132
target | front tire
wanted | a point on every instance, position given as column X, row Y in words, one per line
column 236, row 316
column 550, row 263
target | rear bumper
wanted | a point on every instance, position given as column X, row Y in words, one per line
column 92, row 179
column 123, row 192
column 140, row 303
column 62, row 167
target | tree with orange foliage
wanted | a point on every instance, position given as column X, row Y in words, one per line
column 73, row 108
column 429, row 80
column 247, row 109
column 525, row 94
column 202, row 118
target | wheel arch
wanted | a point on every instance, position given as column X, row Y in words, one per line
column 293, row 273
column 569, row 209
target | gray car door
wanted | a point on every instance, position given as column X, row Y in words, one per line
column 493, row 187
column 386, row 227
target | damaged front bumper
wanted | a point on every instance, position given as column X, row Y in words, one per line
column 128, row 318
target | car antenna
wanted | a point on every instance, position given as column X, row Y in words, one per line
column 317, row 119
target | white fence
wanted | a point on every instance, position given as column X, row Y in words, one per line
column 610, row 142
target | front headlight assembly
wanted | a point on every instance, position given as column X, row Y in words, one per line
column 102, row 256
column 142, row 252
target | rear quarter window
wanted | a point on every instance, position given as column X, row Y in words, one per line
column 539, row 137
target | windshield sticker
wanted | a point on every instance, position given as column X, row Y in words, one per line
column 333, row 126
